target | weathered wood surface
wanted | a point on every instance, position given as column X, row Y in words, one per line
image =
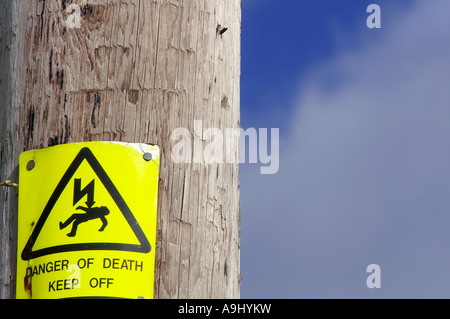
column 134, row 71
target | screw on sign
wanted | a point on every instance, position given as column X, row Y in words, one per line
column 91, row 235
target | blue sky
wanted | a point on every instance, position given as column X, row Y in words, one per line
column 283, row 40
column 365, row 146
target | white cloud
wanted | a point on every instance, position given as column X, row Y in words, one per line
column 366, row 176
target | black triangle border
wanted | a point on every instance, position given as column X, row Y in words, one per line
column 86, row 154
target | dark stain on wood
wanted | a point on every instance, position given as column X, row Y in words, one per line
column 225, row 102
column 225, row 269
column 87, row 9
column 53, row 141
column 60, row 78
column 63, row 137
column 65, row 101
column 133, row 96
column 42, row 19
column 30, row 125
column 45, row 114
column 97, row 104
column 50, row 73
column 66, row 130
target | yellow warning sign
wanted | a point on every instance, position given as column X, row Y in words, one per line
column 87, row 221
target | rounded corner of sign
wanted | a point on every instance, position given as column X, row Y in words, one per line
column 156, row 150
column 22, row 156
column 153, row 148
column 25, row 155
column 156, row 147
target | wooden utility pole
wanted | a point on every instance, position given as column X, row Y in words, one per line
column 133, row 71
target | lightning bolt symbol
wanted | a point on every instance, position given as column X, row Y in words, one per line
column 79, row 193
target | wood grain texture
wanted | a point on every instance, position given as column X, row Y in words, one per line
column 135, row 71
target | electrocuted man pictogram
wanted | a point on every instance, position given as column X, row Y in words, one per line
column 91, row 214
